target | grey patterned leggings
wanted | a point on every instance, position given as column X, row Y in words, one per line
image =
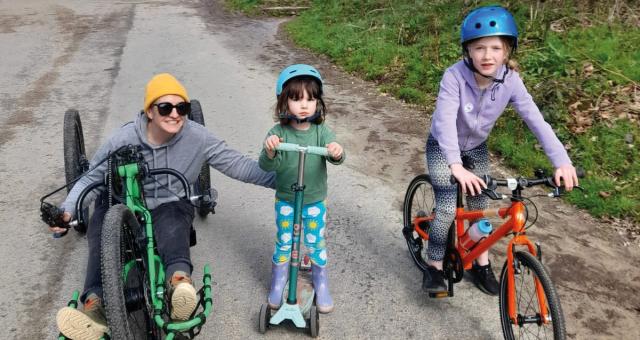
column 445, row 193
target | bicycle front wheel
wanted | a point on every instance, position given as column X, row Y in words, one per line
column 419, row 202
column 124, row 279
column 529, row 325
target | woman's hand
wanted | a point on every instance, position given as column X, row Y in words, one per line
column 66, row 217
column 568, row 174
column 335, row 151
column 270, row 145
column 471, row 184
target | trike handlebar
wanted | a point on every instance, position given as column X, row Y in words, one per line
column 315, row 150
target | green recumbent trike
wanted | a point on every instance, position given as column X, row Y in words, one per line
column 134, row 293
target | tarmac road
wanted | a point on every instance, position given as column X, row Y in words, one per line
column 96, row 56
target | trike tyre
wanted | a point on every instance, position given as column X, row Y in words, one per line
column 419, row 201
column 527, row 270
column 204, row 178
column 75, row 160
column 125, row 291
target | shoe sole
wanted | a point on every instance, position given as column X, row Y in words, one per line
column 183, row 302
column 76, row 325
column 324, row 309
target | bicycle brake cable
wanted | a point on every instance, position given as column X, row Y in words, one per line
column 526, row 207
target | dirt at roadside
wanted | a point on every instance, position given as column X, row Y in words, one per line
column 593, row 263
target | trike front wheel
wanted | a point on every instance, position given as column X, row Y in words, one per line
column 124, row 277
column 530, row 278
column 418, row 212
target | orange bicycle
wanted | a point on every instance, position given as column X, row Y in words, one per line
column 529, row 304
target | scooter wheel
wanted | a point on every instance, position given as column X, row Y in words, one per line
column 265, row 315
column 314, row 322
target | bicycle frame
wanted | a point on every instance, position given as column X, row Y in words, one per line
column 515, row 223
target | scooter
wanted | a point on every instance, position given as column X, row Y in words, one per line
column 299, row 305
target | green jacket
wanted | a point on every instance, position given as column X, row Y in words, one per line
column 285, row 164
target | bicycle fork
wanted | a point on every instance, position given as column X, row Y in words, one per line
column 512, row 266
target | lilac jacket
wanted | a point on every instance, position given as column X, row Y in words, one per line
column 465, row 114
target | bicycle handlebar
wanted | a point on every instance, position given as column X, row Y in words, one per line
column 520, row 183
column 315, row 150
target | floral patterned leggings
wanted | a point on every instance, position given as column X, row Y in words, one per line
column 314, row 217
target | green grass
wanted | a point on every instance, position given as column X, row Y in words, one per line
column 582, row 70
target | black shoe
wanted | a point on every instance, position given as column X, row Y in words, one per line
column 433, row 280
column 484, row 279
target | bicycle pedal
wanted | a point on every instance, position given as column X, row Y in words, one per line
column 439, row 295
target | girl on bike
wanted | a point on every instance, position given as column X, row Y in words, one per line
column 473, row 94
column 300, row 113
column 168, row 140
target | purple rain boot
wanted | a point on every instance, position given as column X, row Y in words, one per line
column 324, row 303
column 279, row 277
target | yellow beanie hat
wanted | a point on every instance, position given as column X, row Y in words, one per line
column 162, row 85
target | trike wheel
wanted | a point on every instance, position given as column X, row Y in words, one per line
column 419, row 202
column 265, row 316
column 529, row 325
column 204, row 178
column 75, row 160
column 124, row 279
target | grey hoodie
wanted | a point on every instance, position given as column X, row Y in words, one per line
column 185, row 152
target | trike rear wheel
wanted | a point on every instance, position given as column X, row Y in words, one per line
column 419, row 201
column 529, row 325
column 124, row 277
column 204, row 178
column 75, row 160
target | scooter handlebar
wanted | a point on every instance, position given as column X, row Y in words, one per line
column 315, row 150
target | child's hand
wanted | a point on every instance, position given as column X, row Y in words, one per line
column 471, row 184
column 270, row 145
column 335, row 151
column 568, row 174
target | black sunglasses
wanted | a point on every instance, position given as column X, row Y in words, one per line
column 164, row 109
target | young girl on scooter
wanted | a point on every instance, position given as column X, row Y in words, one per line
column 473, row 94
column 300, row 113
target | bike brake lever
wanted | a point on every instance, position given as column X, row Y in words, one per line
column 492, row 194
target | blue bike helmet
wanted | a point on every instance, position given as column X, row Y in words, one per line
column 488, row 22
column 296, row 70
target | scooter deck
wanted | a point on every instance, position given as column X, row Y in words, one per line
column 304, row 293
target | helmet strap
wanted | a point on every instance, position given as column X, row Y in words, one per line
column 469, row 63
column 287, row 115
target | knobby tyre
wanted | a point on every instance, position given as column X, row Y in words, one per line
column 527, row 269
column 124, row 278
column 75, row 160
column 419, row 201
column 204, row 178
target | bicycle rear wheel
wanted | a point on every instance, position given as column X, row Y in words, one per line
column 529, row 323
column 124, row 278
column 419, row 201
column 204, row 178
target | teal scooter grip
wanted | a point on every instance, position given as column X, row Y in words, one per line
column 315, row 150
